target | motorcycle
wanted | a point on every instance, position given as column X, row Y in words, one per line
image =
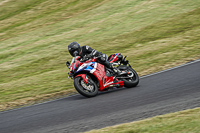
column 90, row 77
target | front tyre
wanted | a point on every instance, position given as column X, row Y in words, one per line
column 132, row 79
column 87, row 90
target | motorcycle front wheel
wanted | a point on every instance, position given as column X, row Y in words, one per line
column 87, row 90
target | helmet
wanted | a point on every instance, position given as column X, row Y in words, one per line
column 74, row 49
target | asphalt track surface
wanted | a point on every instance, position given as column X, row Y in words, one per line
column 160, row 93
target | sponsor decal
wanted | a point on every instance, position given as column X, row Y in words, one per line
column 108, row 83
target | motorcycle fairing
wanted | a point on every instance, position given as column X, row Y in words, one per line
column 113, row 57
column 90, row 67
column 104, row 80
column 98, row 70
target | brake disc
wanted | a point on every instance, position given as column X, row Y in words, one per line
column 87, row 87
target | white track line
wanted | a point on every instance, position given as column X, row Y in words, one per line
column 192, row 62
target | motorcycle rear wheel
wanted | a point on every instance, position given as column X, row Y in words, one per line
column 90, row 90
column 132, row 81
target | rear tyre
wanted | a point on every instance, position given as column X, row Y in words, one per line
column 133, row 80
column 87, row 90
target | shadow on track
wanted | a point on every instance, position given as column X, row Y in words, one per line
column 100, row 93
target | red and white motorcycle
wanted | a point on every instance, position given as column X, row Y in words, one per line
column 91, row 77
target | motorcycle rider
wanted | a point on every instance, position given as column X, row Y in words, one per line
column 87, row 52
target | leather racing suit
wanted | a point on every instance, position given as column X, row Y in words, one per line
column 88, row 52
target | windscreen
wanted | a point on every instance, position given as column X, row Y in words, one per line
column 73, row 59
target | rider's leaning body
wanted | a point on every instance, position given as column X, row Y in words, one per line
column 85, row 51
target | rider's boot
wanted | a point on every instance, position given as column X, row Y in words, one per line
column 117, row 71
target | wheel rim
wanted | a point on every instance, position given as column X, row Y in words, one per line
column 132, row 76
column 89, row 88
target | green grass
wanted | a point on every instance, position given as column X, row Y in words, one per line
column 180, row 122
column 34, row 35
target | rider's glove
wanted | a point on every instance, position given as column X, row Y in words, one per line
column 88, row 56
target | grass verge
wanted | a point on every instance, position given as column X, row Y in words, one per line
column 180, row 122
